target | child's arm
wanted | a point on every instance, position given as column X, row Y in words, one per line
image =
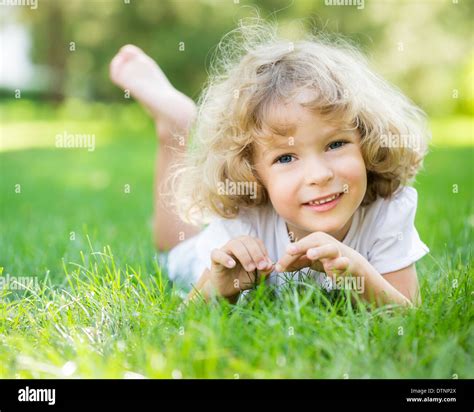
column 406, row 281
column 400, row 287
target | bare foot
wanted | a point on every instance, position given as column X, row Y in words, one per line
column 131, row 69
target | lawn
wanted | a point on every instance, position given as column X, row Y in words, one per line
column 101, row 306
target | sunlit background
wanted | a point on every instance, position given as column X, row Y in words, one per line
column 78, row 221
column 54, row 79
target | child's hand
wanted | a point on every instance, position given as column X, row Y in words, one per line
column 238, row 265
column 320, row 252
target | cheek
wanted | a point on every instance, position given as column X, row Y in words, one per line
column 276, row 183
column 352, row 170
column 281, row 187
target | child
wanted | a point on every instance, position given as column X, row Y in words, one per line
column 301, row 157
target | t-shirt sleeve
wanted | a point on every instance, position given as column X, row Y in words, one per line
column 397, row 243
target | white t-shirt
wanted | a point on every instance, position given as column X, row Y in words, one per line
column 383, row 232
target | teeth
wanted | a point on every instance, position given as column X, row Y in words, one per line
column 320, row 202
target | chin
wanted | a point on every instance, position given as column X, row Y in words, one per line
column 330, row 225
column 325, row 229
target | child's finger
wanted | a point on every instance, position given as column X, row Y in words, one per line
column 341, row 263
column 238, row 249
column 247, row 251
column 258, row 253
column 220, row 257
column 328, row 251
column 287, row 261
column 263, row 273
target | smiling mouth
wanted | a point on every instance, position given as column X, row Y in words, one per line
column 324, row 201
column 324, row 205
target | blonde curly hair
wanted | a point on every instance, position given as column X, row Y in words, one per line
column 253, row 70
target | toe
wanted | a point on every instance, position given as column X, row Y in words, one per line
column 115, row 64
column 130, row 50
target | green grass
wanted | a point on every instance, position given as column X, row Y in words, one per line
column 103, row 308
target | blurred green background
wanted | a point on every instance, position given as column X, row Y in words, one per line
column 54, row 78
column 425, row 47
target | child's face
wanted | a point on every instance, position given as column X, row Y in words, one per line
column 312, row 163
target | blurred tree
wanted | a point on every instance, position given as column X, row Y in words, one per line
column 416, row 45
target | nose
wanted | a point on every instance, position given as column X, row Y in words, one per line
column 317, row 171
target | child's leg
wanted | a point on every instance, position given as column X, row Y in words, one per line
column 173, row 112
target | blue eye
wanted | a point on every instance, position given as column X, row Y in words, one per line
column 280, row 159
column 339, row 144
